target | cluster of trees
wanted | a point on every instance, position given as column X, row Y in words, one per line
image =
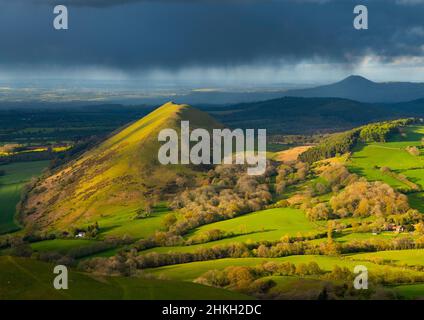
column 335, row 144
column 290, row 174
column 332, row 178
column 208, row 236
column 330, row 247
column 412, row 150
column 121, row 264
column 154, row 259
column 296, row 139
column 360, row 199
column 227, row 192
column 363, row 198
column 380, row 131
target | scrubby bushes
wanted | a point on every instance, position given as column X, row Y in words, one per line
column 289, row 174
column 227, row 192
column 363, row 198
column 208, row 236
column 248, row 279
column 414, row 151
column 359, row 199
column 153, row 259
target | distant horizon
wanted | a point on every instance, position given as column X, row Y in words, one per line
column 130, row 91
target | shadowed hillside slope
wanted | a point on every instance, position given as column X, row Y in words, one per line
column 27, row 279
column 115, row 176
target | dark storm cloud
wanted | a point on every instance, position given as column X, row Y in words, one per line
column 171, row 34
column 106, row 3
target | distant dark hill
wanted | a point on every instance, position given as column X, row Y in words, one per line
column 293, row 115
column 361, row 89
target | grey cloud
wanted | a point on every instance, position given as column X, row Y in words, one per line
column 172, row 34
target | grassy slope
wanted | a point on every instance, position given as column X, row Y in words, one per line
column 124, row 223
column 413, row 291
column 112, row 177
column 398, row 257
column 269, row 225
column 60, row 245
column 30, row 279
column 17, row 174
column 393, row 155
column 190, row 271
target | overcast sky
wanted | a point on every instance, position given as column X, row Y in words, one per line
column 212, row 41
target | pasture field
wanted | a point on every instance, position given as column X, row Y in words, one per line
column 367, row 159
column 293, row 288
column 346, row 237
column 125, row 223
column 190, row 271
column 16, row 175
column 416, row 201
column 29, row 279
column 60, row 245
column 265, row 225
column 269, row 224
column 398, row 257
column 342, row 238
column 412, row 291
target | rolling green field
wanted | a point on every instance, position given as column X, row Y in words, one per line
column 29, row 279
column 368, row 158
column 413, row 291
column 416, row 201
column 124, row 223
column 269, row 224
column 17, row 174
column 190, row 271
column 398, row 257
column 292, row 288
column 60, row 245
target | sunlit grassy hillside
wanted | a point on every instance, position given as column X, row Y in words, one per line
column 114, row 177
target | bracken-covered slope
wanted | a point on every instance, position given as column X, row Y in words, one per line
column 115, row 176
